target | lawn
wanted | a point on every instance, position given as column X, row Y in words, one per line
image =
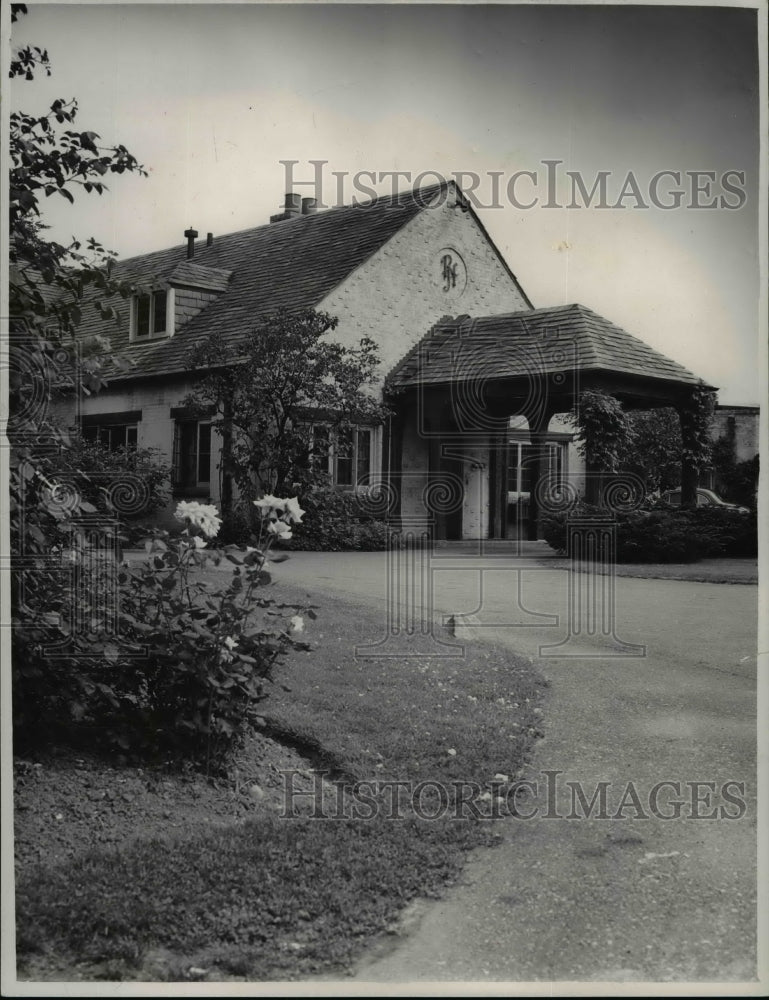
column 275, row 896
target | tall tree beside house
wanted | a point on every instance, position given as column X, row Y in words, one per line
column 284, row 400
column 47, row 286
column 49, row 279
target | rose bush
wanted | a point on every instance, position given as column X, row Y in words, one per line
column 160, row 657
column 205, row 651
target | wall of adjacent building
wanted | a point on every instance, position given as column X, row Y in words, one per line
column 740, row 424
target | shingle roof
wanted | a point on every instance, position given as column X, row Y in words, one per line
column 192, row 275
column 522, row 344
column 294, row 264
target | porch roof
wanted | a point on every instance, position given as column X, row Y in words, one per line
column 528, row 344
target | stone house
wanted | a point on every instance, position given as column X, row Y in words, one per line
column 476, row 378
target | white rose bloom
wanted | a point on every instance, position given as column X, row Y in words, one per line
column 293, row 511
column 279, row 528
column 230, row 643
column 202, row 515
column 269, row 503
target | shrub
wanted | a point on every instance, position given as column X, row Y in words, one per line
column 374, row 536
column 659, row 537
column 241, row 526
column 328, row 522
column 333, row 521
column 336, row 521
column 735, row 481
column 664, row 534
column 124, row 486
column 129, row 482
column 190, row 659
column 728, row 532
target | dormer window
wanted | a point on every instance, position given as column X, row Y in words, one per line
column 150, row 315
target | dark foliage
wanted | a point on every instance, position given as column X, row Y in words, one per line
column 663, row 534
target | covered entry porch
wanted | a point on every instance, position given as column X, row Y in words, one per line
column 473, row 447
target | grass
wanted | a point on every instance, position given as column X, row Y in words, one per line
column 284, row 898
column 265, row 899
column 398, row 718
column 743, row 570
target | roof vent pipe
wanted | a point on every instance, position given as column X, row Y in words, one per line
column 191, row 235
column 309, row 206
column 209, row 239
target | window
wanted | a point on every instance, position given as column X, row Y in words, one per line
column 555, row 463
column 112, row 430
column 522, row 455
column 149, row 314
column 192, row 456
column 344, row 453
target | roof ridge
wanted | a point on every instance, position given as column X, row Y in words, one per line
column 427, row 191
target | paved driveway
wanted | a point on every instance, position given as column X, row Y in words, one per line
column 633, row 896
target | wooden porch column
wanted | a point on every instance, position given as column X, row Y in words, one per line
column 537, row 434
column 498, row 462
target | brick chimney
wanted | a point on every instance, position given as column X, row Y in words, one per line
column 292, row 208
column 293, row 205
column 309, row 206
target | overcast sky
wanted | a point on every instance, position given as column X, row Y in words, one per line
column 212, row 97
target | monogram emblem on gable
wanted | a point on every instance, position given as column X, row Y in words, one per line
column 452, row 272
column 448, row 272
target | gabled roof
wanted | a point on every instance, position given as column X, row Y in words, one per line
column 293, row 263
column 531, row 343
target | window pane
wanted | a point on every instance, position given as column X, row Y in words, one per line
column 118, row 437
column 142, row 315
column 204, row 453
column 90, row 433
column 344, row 457
column 188, row 443
column 528, row 454
column 159, row 308
column 554, row 462
column 320, row 447
column 104, row 436
column 131, row 437
column 514, row 461
column 363, row 466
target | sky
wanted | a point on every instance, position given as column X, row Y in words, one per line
column 212, row 97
